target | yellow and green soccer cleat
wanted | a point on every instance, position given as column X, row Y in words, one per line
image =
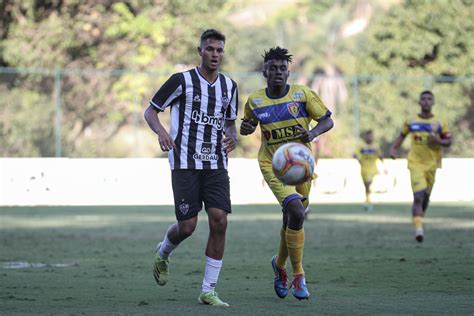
column 160, row 268
column 211, row 298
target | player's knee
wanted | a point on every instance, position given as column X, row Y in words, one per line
column 218, row 224
column 418, row 198
column 186, row 229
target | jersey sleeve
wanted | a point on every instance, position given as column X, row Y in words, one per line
column 445, row 133
column 232, row 109
column 169, row 92
column 248, row 113
column 315, row 107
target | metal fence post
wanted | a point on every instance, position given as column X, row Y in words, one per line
column 355, row 106
column 57, row 100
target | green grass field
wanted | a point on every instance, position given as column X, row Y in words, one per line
column 355, row 262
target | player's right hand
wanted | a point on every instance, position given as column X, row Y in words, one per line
column 247, row 127
column 166, row 141
column 393, row 153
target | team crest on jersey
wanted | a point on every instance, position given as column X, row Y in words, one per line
column 184, row 208
column 267, row 135
column 225, row 101
column 294, row 109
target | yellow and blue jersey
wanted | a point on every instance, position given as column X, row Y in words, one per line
column 279, row 117
column 422, row 155
column 368, row 156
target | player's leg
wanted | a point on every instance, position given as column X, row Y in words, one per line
column 187, row 206
column 278, row 262
column 419, row 186
column 295, row 242
column 368, row 202
column 430, row 179
column 215, row 192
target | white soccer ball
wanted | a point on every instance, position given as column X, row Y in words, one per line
column 293, row 163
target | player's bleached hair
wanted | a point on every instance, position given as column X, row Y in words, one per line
column 213, row 34
column 277, row 53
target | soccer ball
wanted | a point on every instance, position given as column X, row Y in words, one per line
column 293, row 163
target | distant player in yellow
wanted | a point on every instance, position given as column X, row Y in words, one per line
column 368, row 155
column 284, row 112
column 428, row 135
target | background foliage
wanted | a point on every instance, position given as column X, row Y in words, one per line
column 113, row 55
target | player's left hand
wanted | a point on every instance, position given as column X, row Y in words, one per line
column 304, row 135
column 230, row 143
column 434, row 139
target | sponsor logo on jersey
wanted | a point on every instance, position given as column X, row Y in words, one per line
column 207, row 153
column 257, row 102
column 285, row 132
column 293, row 108
column 263, row 116
column 298, row 95
column 202, row 118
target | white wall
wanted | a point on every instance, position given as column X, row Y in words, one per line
column 63, row 181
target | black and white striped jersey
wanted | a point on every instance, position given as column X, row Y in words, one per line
column 198, row 113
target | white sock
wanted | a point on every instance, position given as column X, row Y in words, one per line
column 211, row 274
column 166, row 248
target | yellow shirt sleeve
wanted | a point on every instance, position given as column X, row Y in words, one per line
column 315, row 107
column 248, row 114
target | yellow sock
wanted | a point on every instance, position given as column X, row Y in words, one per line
column 283, row 251
column 418, row 221
column 295, row 243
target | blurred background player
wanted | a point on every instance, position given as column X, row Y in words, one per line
column 368, row 155
column 429, row 134
column 284, row 112
column 203, row 111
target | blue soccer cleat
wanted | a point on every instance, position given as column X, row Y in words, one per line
column 281, row 280
column 298, row 287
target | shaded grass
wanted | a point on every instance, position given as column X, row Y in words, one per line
column 355, row 262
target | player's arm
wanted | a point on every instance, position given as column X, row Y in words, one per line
column 230, row 131
column 324, row 124
column 151, row 117
column 396, row 144
column 249, row 121
column 355, row 156
column 170, row 91
column 442, row 140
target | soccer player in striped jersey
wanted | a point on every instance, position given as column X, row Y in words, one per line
column 428, row 134
column 203, row 105
column 284, row 112
column 368, row 155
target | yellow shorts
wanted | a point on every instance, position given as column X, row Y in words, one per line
column 422, row 179
column 285, row 193
column 368, row 174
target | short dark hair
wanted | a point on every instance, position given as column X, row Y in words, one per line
column 369, row 131
column 427, row 92
column 277, row 53
column 212, row 33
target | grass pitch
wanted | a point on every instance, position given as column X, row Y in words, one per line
column 98, row 260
